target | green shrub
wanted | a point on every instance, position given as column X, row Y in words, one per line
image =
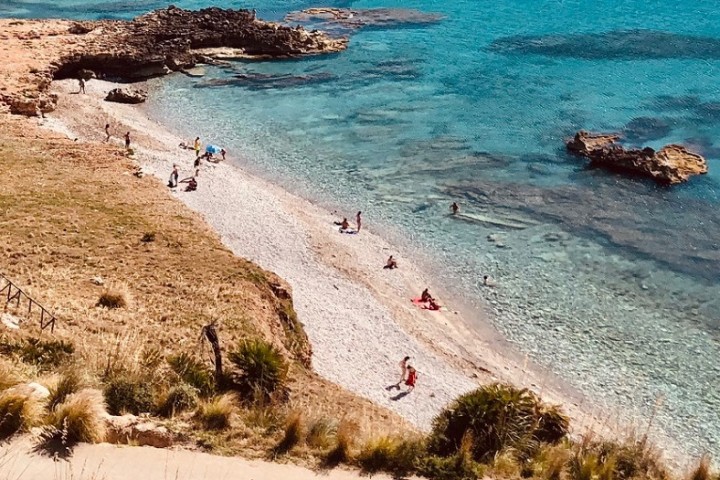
column 497, row 417
column 68, row 384
column 19, row 411
column 125, row 394
column 550, row 461
column 630, row 459
column 261, row 366
column 180, row 398
column 395, row 455
column 458, row 466
column 111, row 299
column 193, row 372
column 216, row 414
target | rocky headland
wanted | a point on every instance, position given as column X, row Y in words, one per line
column 151, row 45
column 670, row 165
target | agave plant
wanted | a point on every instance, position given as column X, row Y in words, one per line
column 262, row 368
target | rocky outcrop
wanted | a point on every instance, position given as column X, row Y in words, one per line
column 126, row 95
column 670, row 165
column 129, row 429
column 353, row 19
column 155, row 44
column 166, row 40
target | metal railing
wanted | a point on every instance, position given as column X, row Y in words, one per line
column 13, row 293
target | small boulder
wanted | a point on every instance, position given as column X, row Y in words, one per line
column 129, row 95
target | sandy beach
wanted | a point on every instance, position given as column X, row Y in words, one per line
column 358, row 315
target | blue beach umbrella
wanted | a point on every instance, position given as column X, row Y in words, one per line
column 212, row 149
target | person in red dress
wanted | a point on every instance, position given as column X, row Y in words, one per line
column 411, row 378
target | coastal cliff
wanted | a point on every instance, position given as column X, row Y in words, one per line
column 154, row 44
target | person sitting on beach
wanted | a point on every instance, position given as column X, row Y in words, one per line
column 173, row 177
column 192, row 184
column 487, row 282
column 391, row 263
column 432, row 304
column 344, row 225
column 196, row 164
column 455, row 208
column 425, row 296
column 411, row 378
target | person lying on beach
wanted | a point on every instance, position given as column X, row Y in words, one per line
column 411, row 378
column 432, row 304
column 425, row 296
column 455, row 208
column 391, row 263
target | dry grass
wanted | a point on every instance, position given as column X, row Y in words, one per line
column 113, row 299
column 81, row 417
column 216, row 413
column 294, row 433
column 19, row 411
column 347, row 433
column 9, row 375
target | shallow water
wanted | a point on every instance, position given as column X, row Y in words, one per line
column 612, row 282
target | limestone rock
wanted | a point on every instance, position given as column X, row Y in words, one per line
column 670, row 165
column 126, row 429
column 10, row 321
column 126, row 95
column 358, row 18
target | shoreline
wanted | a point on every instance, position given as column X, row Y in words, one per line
column 342, row 295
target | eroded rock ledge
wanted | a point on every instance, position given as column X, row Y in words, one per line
column 154, row 44
column 670, row 165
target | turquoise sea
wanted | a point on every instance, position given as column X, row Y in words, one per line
column 612, row 282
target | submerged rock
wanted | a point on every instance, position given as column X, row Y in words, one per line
column 623, row 44
column 353, row 19
column 258, row 81
column 645, row 129
column 670, row 165
column 126, row 95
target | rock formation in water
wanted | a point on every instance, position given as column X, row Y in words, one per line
column 155, row 44
column 126, row 95
column 353, row 19
column 670, row 165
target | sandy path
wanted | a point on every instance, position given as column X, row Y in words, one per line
column 357, row 315
column 112, row 462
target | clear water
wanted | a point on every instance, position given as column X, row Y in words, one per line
column 612, row 282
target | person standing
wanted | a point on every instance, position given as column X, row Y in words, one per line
column 358, row 221
column 81, row 81
column 403, row 370
column 455, row 208
column 127, row 140
column 411, row 378
column 196, row 146
column 107, row 132
column 173, row 177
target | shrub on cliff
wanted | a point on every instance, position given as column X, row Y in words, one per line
column 193, row 372
column 126, row 394
column 398, row 456
column 179, row 399
column 496, row 417
column 261, row 366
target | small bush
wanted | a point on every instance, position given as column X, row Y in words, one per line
column 497, row 417
column 111, row 299
column 193, row 373
column 81, row 417
column 294, row 433
column 128, row 395
column 549, row 462
column 216, row 414
column 148, row 237
column 395, row 455
column 68, row 384
column 45, row 354
column 344, row 439
column 180, row 398
column 459, row 466
column 321, row 432
column 261, row 365
column 19, row 411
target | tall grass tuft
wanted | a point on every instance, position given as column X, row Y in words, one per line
column 8, row 375
column 702, row 470
column 458, row 466
column 347, row 431
column 193, row 372
column 261, row 366
column 396, row 455
column 320, row 432
column 68, row 384
column 216, row 413
column 19, row 411
column 112, row 299
column 294, row 433
column 81, row 417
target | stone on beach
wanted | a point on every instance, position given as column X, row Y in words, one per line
column 126, row 95
column 670, row 165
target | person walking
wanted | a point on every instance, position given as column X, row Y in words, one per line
column 411, row 378
column 403, row 370
column 107, row 132
column 127, row 140
column 358, row 221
